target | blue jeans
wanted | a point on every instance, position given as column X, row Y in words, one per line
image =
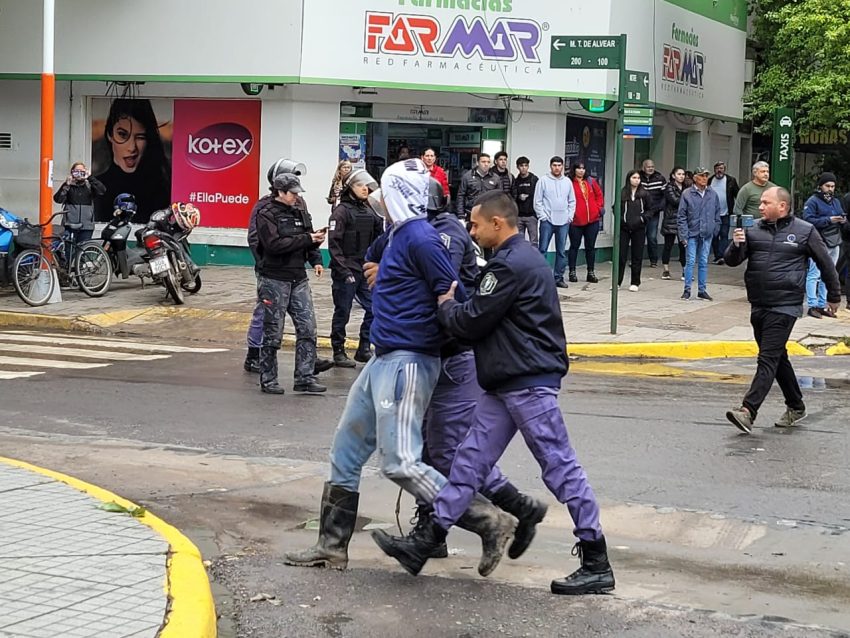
column 652, row 237
column 697, row 247
column 815, row 288
column 344, row 294
column 547, row 230
column 385, row 409
column 721, row 240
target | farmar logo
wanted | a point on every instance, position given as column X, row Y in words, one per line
column 501, row 39
column 219, row 146
column 683, row 69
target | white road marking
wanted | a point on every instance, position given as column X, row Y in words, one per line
column 80, row 353
column 4, row 374
column 49, row 363
column 27, row 337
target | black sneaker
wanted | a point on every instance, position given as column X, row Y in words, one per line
column 653, row 265
column 592, row 278
column 560, row 283
column 272, row 388
column 573, row 277
column 322, row 365
column 686, row 295
column 341, row 360
column 814, row 312
column 702, row 294
column 666, row 275
column 310, row 388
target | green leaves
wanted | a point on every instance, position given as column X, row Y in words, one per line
column 112, row 506
column 804, row 62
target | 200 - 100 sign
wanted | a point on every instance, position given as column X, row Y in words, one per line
column 577, row 61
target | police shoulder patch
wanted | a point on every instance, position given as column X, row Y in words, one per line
column 332, row 225
column 488, row 284
column 447, row 240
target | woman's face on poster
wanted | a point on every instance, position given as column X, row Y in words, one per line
column 128, row 139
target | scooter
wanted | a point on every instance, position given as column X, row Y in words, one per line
column 9, row 223
column 114, row 236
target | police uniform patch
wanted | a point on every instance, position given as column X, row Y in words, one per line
column 447, row 240
column 488, row 284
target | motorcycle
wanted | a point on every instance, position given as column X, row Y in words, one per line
column 9, row 223
column 162, row 253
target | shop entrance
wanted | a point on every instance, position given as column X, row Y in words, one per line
column 457, row 143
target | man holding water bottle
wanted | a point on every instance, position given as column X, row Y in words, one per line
column 778, row 247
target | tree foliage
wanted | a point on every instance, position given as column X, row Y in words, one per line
column 803, row 62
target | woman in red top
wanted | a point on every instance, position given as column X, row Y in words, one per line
column 585, row 225
column 430, row 159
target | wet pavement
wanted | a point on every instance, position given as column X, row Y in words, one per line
column 699, row 517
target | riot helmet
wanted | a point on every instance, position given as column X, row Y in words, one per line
column 283, row 166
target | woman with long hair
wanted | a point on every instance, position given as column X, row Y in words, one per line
column 634, row 209
column 585, row 224
column 343, row 170
column 138, row 164
column 669, row 224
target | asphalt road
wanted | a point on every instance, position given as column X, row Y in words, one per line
column 191, row 437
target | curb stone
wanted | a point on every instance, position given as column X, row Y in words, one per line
column 191, row 609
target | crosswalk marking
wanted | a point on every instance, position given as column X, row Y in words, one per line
column 49, row 363
column 81, row 353
column 7, row 374
column 27, row 337
column 25, row 354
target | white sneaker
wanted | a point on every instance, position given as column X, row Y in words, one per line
column 633, row 288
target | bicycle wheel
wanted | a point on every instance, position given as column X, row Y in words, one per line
column 93, row 269
column 33, row 278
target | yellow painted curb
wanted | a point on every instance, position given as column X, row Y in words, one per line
column 47, row 322
column 839, row 348
column 191, row 612
column 677, row 350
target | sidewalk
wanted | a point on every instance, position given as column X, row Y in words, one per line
column 72, row 569
column 655, row 315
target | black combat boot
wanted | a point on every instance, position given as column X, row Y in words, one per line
column 595, row 575
column 527, row 510
column 252, row 360
column 422, row 516
column 592, row 278
column 322, row 365
column 412, row 551
column 364, row 352
column 341, row 359
column 268, row 371
column 336, row 525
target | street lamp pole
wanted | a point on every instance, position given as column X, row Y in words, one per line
column 48, row 105
column 618, row 178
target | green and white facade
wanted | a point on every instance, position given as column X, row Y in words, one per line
column 332, row 72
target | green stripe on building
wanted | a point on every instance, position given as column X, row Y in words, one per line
column 732, row 13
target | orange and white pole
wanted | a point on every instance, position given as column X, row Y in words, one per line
column 48, row 105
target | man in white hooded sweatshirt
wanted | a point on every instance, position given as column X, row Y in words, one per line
column 555, row 206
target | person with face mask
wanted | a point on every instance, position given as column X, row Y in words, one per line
column 352, row 228
column 823, row 211
column 77, row 195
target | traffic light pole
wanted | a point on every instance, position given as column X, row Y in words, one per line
column 618, row 179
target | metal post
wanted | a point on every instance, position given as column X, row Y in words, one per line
column 618, row 182
column 48, row 101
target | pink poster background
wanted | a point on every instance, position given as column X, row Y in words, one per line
column 216, row 158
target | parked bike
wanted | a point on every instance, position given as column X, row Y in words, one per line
column 42, row 261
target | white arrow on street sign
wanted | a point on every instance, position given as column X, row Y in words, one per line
column 646, row 80
column 558, row 45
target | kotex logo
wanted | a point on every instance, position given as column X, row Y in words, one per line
column 506, row 39
column 219, row 146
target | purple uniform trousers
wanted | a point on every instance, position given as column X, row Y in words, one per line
column 255, row 328
column 450, row 415
column 498, row 416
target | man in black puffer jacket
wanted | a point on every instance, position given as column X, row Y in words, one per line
column 778, row 249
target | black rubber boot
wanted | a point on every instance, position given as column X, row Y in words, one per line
column 527, row 510
column 414, row 550
column 595, row 575
column 495, row 528
column 364, row 352
column 341, row 359
column 252, row 360
column 336, row 525
column 422, row 516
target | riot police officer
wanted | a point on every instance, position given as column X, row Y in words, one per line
column 352, row 228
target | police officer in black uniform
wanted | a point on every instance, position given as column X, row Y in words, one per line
column 353, row 226
column 283, row 241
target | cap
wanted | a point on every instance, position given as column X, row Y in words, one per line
column 287, row 183
column 701, row 170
